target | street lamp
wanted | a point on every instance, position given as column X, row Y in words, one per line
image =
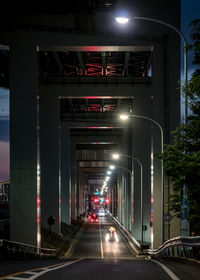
column 184, row 207
column 116, row 157
column 125, row 117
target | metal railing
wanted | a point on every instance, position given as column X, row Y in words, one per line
column 8, row 247
column 182, row 246
column 134, row 242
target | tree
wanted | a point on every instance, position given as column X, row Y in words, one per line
column 181, row 159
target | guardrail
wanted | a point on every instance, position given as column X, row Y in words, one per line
column 136, row 244
column 181, row 246
column 8, row 247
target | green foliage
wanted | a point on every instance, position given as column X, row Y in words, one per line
column 181, row 160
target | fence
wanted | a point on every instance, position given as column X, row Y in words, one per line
column 181, row 246
column 15, row 248
column 134, row 242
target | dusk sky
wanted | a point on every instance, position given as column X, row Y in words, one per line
column 190, row 11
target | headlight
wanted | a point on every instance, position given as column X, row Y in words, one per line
column 107, row 237
column 116, row 237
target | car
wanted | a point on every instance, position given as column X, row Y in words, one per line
column 111, row 235
column 93, row 218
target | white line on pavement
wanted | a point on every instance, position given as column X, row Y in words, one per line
column 167, row 270
column 42, row 272
column 102, row 255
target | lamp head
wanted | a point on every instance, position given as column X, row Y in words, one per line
column 124, row 117
column 115, row 156
column 112, row 167
column 122, row 20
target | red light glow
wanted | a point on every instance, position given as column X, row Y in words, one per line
column 107, row 201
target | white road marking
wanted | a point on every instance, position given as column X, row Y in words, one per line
column 36, row 275
column 167, row 270
column 102, row 255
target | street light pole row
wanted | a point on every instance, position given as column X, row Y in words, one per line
column 185, row 204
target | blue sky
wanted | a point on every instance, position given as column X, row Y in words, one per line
column 190, row 10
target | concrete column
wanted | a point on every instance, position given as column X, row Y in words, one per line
column 24, row 157
column 73, row 182
column 156, row 181
column 119, row 200
column 127, row 150
column 65, row 165
column 123, row 200
column 82, row 201
column 49, row 139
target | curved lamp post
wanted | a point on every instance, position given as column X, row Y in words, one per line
column 185, row 203
column 117, row 156
column 125, row 117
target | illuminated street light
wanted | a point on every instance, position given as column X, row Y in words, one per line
column 125, row 117
column 109, row 172
column 112, row 167
column 122, row 20
column 184, row 206
column 115, row 156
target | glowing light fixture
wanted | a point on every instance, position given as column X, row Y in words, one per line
column 109, row 172
column 124, row 116
column 112, row 167
column 122, row 20
column 115, row 156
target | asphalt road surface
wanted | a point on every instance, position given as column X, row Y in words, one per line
column 92, row 243
column 92, row 257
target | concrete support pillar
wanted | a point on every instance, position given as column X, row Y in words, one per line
column 73, row 182
column 159, row 107
column 24, row 156
column 119, row 186
column 65, row 166
column 49, row 137
column 127, row 150
column 82, row 200
column 123, row 218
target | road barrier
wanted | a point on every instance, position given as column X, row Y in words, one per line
column 15, row 248
column 182, row 246
column 134, row 242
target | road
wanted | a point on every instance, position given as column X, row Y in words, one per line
column 94, row 258
column 92, row 243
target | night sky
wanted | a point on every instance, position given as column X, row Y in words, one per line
column 190, row 11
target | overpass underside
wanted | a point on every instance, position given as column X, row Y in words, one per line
column 80, row 96
column 79, row 111
column 67, row 90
